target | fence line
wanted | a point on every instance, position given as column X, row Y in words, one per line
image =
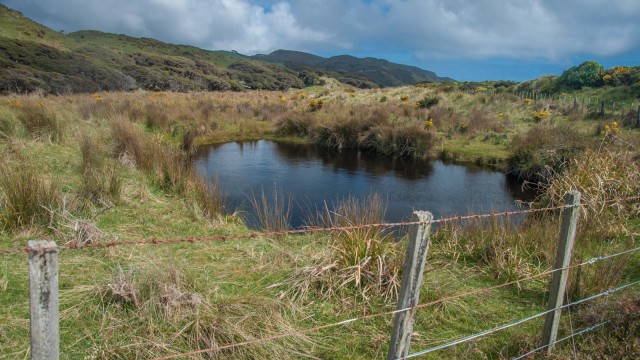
column 517, row 322
column 586, row 330
column 307, row 230
column 387, row 313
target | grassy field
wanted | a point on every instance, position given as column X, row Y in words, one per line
column 102, row 167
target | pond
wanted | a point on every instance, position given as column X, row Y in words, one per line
column 313, row 175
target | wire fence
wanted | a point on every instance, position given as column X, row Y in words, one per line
column 43, row 248
column 423, row 306
column 518, row 322
column 305, row 230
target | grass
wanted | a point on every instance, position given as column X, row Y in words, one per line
column 117, row 171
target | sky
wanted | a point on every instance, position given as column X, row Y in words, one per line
column 467, row 40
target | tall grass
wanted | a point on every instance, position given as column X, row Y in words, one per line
column 28, row 198
column 363, row 261
column 41, row 121
column 166, row 307
column 272, row 214
column 600, row 176
column 101, row 180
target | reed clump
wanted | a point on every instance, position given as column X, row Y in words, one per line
column 28, row 198
column 272, row 213
column 364, row 260
column 40, row 120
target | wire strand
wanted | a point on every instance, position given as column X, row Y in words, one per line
column 371, row 316
column 517, row 322
column 586, row 330
column 307, row 230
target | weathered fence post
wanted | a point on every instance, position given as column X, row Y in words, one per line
column 43, row 300
column 602, row 110
column 638, row 120
column 410, row 288
column 563, row 259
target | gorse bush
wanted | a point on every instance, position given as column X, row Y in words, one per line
column 427, row 102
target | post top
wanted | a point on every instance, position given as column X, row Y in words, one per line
column 41, row 244
column 423, row 216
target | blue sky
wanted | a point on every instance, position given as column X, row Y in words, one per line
column 462, row 39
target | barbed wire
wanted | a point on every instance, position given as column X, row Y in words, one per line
column 387, row 313
column 306, row 230
column 586, row 330
column 517, row 322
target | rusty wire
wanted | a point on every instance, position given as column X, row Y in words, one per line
column 306, row 230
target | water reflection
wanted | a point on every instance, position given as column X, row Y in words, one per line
column 353, row 161
column 313, row 175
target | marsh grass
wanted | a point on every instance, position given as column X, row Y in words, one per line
column 101, row 179
column 273, row 213
column 41, row 121
column 600, row 176
column 364, row 260
column 28, row 198
column 507, row 250
column 233, row 291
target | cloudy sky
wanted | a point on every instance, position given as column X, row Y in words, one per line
column 462, row 39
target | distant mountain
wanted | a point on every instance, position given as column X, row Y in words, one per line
column 34, row 57
column 379, row 71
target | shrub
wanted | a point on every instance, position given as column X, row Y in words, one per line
column 427, row 102
column 544, row 151
column 315, row 105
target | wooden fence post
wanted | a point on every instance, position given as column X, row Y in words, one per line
column 602, row 110
column 410, row 288
column 638, row 121
column 563, row 259
column 43, row 300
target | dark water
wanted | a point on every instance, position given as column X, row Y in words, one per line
column 313, row 175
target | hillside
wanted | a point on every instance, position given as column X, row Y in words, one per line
column 379, row 71
column 34, row 57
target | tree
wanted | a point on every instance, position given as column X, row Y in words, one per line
column 589, row 73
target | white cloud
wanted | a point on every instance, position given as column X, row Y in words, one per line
column 428, row 29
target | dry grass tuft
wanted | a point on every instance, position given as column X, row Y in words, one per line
column 600, row 176
column 168, row 310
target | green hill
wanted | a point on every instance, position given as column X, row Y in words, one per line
column 34, row 57
column 378, row 71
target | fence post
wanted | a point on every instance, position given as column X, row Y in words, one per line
column 43, row 300
column 638, row 121
column 410, row 288
column 563, row 259
column 602, row 110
